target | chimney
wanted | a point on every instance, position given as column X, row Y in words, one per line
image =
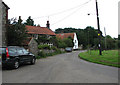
column 19, row 17
column 48, row 25
column 19, row 20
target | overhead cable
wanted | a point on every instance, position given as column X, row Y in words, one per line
column 71, row 13
column 70, row 9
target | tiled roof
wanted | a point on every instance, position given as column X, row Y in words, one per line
column 39, row 30
column 65, row 35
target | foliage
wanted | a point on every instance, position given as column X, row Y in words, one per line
column 29, row 21
column 41, row 54
column 111, row 43
column 53, row 40
column 42, row 38
column 56, row 42
column 54, row 48
column 61, row 44
column 45, row 46
column 16, row 32
column 47, row 39
column 85, row 36
column 89, row 37
column 68, row 42
column 109, row 57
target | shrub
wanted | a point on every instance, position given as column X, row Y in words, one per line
column 39, row 57
column 54, row 48
column 41, row 54
column 44, row 46
column 57, row 51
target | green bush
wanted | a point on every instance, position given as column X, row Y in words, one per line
column 41, row 54
column 44, row 46
column 58, row 51
column 39, row 57
column 54, row 48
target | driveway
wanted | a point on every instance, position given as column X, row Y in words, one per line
column 63, row 68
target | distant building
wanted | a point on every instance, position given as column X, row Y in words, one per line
column 4, row 23
column 72, row 35
column 34, row 31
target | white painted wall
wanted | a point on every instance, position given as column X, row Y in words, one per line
column 75, row 41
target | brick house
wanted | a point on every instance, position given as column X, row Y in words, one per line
column 35, row 31
column 72, row 35
column 5, row 9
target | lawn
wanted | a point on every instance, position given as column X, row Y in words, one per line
column 109, row 57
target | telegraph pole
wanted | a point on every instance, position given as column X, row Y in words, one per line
column 99, row 34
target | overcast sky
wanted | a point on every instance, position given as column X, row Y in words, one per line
column 68, row 13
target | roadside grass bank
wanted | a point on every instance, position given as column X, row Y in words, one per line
column 108, row 57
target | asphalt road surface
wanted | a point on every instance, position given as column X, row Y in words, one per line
column 63, row 68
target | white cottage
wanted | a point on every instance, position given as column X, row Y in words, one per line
column 75, row 41
column 72, row 35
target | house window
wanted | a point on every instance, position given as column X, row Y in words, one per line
column 75, row 41
column 48, row 36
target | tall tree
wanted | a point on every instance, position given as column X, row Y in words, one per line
column 29, row 21
column 111, row 43
column 16, row 32
column 89, row 37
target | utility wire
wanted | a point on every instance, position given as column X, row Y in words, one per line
column 65, row 17
column 63, row 10
column 71, row 13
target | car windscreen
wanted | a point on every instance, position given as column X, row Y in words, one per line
column 2, row 51
column 25, row 51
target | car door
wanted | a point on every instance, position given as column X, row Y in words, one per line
column 27, row 56
column 20, row 54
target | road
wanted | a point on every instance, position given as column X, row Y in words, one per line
column 62, row 68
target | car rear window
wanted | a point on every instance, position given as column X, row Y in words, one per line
column 2, row 51
column 12, row 51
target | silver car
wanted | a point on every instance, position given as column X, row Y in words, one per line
column 68, row 49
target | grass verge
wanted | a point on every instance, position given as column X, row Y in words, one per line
column 109, row 57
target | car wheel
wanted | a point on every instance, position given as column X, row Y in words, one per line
column 16, row 64
column 33, row 61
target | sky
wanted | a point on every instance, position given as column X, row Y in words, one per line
column 68, row 13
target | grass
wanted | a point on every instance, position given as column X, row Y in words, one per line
column 109, row 57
